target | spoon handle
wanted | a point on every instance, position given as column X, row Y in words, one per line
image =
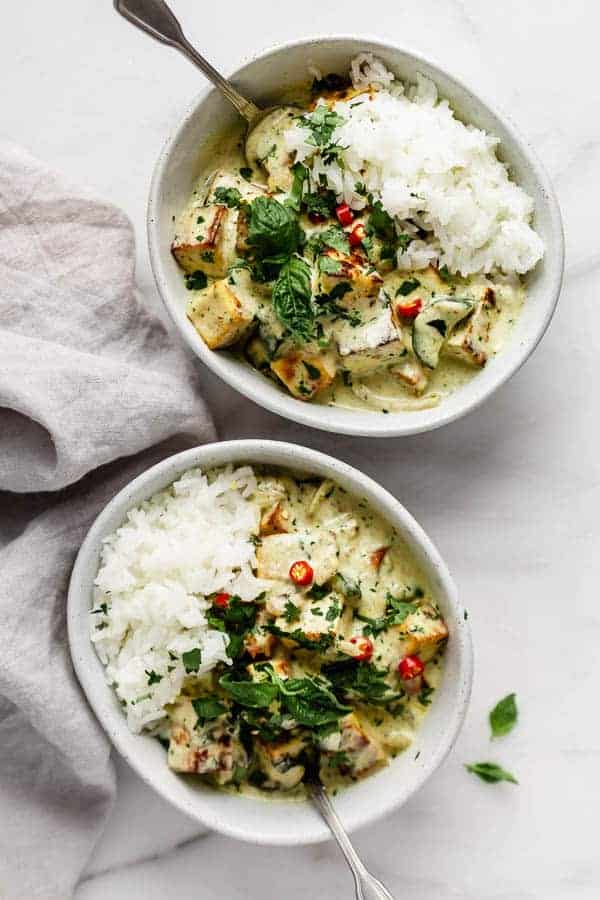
column 156, row 19
column 367, row 886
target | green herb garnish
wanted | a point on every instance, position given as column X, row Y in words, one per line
column 503, row 717
column 207, row 708
column 196, row 281
column 191, row 660
column 228, row 196
column 292, row 298
column 490, row 772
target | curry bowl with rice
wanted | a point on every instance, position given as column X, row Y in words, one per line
column 364, row 250
column 247, row 613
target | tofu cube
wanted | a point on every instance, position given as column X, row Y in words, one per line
column 304, row 374
column 277, row 552
column 353, row 269
column 259, row 642
column 412, row 374
column 471, row 342
column 206, row 239
column 423, row 631
column 207, row 750
column 220, row 316
column 362, row 752
column 366, row 348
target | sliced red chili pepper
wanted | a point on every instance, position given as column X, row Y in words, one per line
column 365, row 648
column 344, row 214
column 409, row 309
column 357, row 235
column 410, row 667
column 222, row 600
column 301, row 573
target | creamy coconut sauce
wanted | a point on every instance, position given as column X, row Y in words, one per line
column 365, row 629
column 405, row 383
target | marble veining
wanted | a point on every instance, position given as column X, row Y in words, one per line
column 509, row 494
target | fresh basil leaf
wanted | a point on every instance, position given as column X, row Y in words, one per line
column 298, row 636
column 503, row 717
column 329, row 265
column 292, row 299
column 191, row 660
column 358, row 680
column 334, row 237
column 273, row 229
column 491, row 772
column 207, row 708
column 310, row 701
column 255, row 694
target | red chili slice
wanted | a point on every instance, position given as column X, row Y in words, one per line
column 301, row 573
column 410, row 667
column 344, row 214
column 357, row 235
column 222, row 600
column 410, row 309
column 365, row 648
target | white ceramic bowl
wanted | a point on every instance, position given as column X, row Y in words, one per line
column 263, row 79
column 275, row 822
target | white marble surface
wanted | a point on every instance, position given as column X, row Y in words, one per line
column 509, row 494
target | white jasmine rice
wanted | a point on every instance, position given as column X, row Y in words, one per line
column 156, row 573
column 431, row 172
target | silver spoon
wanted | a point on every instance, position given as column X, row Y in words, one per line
column 158, row 20
column 366, row 885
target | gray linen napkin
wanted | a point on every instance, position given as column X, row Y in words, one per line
column 90, row 382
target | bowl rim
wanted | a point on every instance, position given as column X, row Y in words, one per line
column 399, row 424
column 86, row 663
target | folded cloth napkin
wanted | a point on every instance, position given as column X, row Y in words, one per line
column 92, row 391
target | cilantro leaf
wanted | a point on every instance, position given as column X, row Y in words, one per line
column 321, row 123
column 255, row 694
column 153, row 677
column 291, row 612
column 228, row 196
column 503, row 717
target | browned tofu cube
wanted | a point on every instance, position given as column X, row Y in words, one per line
column 274, row 521
column 412, row 374
column 471, row 342
column 220, row 316
column 423, row 631
column 354, row 270
column 304, row 374
column 206, row 239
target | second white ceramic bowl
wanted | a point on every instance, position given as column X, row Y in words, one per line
column 264, row 79
column 275, row 822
